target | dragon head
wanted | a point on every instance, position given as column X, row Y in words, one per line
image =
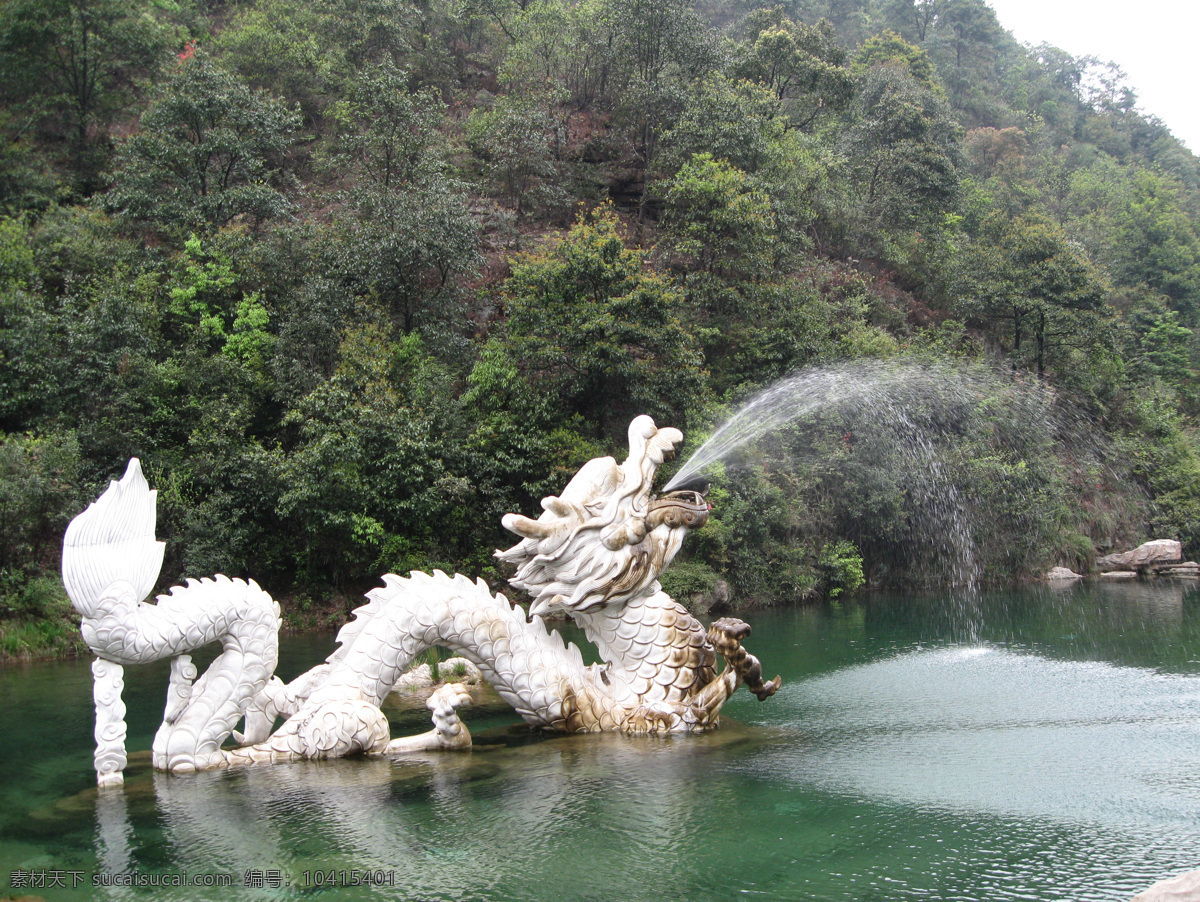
column 604, row 540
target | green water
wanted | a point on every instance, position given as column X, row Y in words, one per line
column 1040, row 745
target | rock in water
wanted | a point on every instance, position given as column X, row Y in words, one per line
column 1189, row 570
column 1058, row 573
column 1160, row 551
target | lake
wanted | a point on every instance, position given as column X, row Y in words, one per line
column 1033, row 745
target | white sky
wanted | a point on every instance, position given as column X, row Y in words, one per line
column 1153, row 41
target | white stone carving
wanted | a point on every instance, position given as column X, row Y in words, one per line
column 595, row 553
column 108, row 681
column 110, row 563
column 1184, row 888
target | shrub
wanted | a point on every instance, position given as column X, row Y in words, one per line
column 685, row 580
column 842, row 566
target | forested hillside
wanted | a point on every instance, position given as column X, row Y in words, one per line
column 355, row 277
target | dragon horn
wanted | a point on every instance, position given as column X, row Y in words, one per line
column 526, row 528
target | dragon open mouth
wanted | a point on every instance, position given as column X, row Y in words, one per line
column 686, row 508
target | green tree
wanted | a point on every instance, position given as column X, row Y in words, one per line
column 850, row 18
column 1160, row 347
column 1042, row 287
column 307, row 51
column 720, row 223
column 405, row 248
column 27, row 348
column 310, row 322
column 366, row 482
column 204, row 302
column 968, row 45
column 518, row 138
column 77, row 64
column 39, row 493
column 890, row 49
column 757, row 332
column 519, row 449
column 210, row 150
column 401, row 234
column 903, row 153
column 658, row 47
column 562, row 44
column 501, row 13
column 1154, row 438
column 1156, row 244
column 802, row 65
column 385, row 132
column 913, row 18
column 590, row 326
column 968, row 25
column 736, row 121
column 25, row 179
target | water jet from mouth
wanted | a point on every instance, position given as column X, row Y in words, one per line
column 932, row 422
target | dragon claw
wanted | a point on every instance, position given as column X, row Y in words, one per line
column 726, row 636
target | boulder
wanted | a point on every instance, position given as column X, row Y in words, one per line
column 421, row 676
column 1058, row 573
column 1160, row 551
column 1188, row 570
column 716, row 599
column 1184, row 888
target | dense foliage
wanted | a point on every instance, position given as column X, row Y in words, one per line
column 355, row 278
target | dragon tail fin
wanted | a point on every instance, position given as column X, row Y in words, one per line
column 113, row 540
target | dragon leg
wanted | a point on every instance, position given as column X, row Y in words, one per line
column 726, row 635
column 448, row 731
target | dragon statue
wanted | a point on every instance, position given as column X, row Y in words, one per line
column 595, row 554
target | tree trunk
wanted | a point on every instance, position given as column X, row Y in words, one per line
column 1041, row 344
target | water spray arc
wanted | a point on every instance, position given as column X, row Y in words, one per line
column 913, row 412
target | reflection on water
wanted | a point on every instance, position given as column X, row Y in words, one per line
column 509, row 820
column 1055, row 757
